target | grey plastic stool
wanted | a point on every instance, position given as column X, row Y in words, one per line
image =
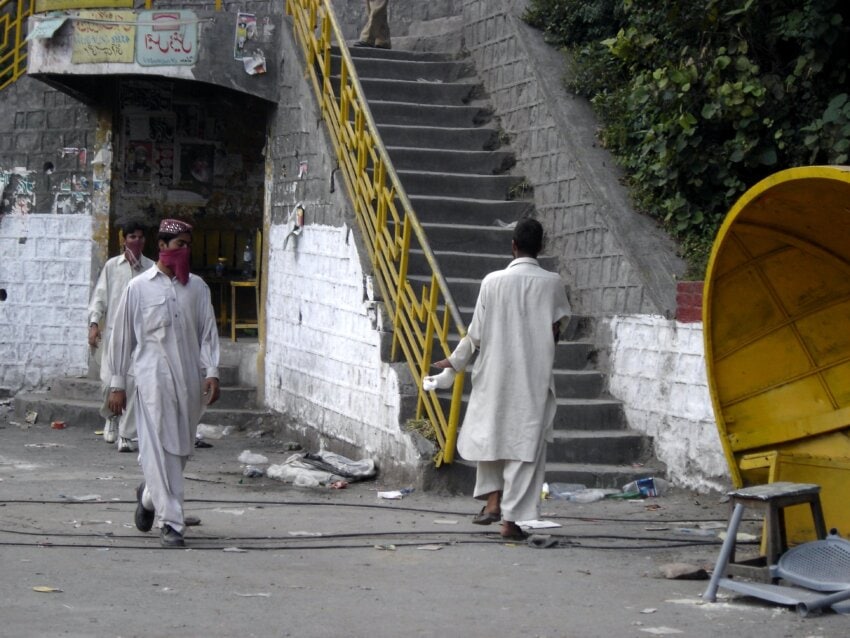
column 771, row 499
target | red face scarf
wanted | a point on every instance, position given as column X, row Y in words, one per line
column 177, row 261
column 133, row 251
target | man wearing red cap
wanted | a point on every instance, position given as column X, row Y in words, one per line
column 116, row 274
column 165, row 330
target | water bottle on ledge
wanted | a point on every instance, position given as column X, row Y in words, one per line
column 248, row 261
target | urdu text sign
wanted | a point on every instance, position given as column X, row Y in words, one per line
column 166, row 38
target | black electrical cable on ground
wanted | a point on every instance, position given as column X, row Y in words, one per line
column 399, row 508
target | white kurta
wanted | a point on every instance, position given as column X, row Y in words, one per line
column 166, row 333
column 114, row 277
column 512, row 404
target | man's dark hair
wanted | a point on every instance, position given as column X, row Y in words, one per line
column 128, row 226
column 528, row 237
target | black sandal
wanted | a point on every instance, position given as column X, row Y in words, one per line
column 486, row 518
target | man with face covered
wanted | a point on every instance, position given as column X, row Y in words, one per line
column 165, row 330
column 116, row 274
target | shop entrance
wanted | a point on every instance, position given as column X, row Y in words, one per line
column 195, row 152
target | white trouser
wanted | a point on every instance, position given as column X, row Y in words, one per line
column 163, row 473
column 519, row 481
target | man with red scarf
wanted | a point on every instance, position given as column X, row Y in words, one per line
column 114, row 277
column 165, row 331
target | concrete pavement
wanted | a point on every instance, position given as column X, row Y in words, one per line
column 271, row 559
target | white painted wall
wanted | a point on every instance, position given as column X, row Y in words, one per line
column 45, row 269
column 322, row 361
column 657, row 368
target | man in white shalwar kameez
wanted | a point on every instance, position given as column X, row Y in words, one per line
column 114, row 277
column 515, row 327
column 165, row 330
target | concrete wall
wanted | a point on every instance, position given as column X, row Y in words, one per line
column 657, row 368
column 615, row 261
column 324, row 341
column 48, row 219
column 45, row 272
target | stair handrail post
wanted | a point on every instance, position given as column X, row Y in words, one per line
column 14, row 61
column 354, row 172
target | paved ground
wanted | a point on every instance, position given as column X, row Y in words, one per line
column 415, row 567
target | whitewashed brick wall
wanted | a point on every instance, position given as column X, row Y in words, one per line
column 323, row 365
column 658, row 371
column 45, row 269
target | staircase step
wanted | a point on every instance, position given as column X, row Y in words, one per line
column 419, row 93
column 608, row 447
column 495, row 187
column 457, row 237
column 428, row 114
column 463, row 138
column 573, row 355
column 85, row 389
column 576, row 384
column 437, row 209
column 445, row 71
column 589, row 414
column 451, row 161
column 80, row 413
column 358, row 53
column 596, row 475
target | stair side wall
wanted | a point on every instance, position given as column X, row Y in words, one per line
column 615, row 260
column 324, row 338
column 47, row 224
column 656, row 366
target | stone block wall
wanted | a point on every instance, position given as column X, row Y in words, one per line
column 614, row 260
column 47, row 252
column 324, row 338
column 657, row 368
column 44, row 293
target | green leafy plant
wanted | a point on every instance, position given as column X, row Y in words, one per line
column 700, row 99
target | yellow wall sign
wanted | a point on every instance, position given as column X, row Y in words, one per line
column 43, row 6
column 104, row 36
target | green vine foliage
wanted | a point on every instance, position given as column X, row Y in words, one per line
column 700, row 99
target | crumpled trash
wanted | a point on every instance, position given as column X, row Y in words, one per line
column 206, row 431
column 541, row 541
column 342, row 466
column 31, row 417
column 395, row 495
column 250, row 458
column 442, row 381
column 295, row 469
column 252, row 471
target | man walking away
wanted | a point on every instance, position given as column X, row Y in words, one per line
column 114, row 277
column 376, row 32
column 515, row 327
column 165, row 329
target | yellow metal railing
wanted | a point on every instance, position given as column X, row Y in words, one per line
column 13, row 46
column 385, row 216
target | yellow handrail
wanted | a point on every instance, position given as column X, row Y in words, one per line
column 13, row 45
column 385, row 216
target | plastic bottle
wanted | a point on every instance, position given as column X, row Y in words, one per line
column 647, row 487
column 563, row 491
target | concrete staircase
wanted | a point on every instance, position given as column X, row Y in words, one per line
column 77, row 400
column 458, row 172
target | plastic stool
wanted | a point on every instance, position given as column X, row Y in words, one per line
column 771, row 499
